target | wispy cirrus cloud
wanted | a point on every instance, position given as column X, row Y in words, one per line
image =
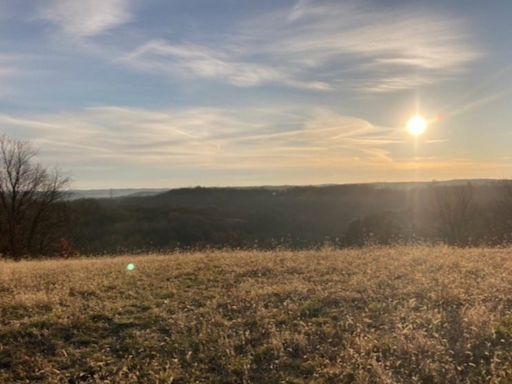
column 192, row 60
column 396, row 36
column 372, row 48
column 86, row 18
column 266, row 145
column 204, row 137
column 320, row 45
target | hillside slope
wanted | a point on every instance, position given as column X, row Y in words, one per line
column 294, row 217
column 381, row 315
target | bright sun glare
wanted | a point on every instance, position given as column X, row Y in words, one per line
column 417, row 125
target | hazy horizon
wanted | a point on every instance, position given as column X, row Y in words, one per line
column 159, row 94
column 249, row 186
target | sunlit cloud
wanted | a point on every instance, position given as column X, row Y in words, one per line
column 285, row 144
column 86, row 18
column 396, row 48
column 317, row 45
column 392, row 38
column 285, row 141
column 198, row 61
column 202, row 137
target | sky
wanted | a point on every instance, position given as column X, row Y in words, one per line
column 174, row 93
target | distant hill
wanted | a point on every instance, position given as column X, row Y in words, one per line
column 290, row 216
column 144, row 192
column 112, row 193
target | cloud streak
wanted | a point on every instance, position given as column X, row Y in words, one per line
column 207, row 63
column 320, row 45
column 392, row 49
column 277, row 145
column 87, row 18
column 401, row 37
column 202, row 137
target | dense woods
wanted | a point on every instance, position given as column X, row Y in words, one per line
column 455, row 213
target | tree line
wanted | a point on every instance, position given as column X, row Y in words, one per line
column 37, row 220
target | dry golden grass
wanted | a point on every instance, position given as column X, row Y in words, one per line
column 373, row 315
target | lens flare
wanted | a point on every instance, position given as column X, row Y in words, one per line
column 417, row 125
column 130, row 267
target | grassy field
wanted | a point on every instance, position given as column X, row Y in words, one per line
column 373, row 315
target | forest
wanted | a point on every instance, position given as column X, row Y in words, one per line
column 459, row 213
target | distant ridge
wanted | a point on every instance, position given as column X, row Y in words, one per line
column 113, row 193
column 145, row 192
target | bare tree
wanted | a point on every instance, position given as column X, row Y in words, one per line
column 453, row 205
column 29, row 197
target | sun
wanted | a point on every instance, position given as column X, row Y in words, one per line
column 417, row 125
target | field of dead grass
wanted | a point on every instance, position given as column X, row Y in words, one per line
column 371, row 315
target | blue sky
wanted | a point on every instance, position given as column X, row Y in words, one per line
column 168, row 93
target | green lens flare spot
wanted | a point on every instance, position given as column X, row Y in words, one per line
column 130, row 267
